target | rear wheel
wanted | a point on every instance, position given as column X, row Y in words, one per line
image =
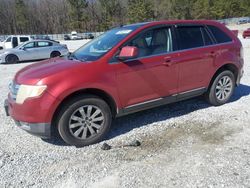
column 11, row 59
column 84, row 121
column 55, row 54
column 222, row 88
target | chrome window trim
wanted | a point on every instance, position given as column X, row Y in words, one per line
column 177, row 51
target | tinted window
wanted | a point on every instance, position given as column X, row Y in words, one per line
column 153, row 42
column 14, row 42
column 206, row 37
column 24, row 39
column 190, row 37
column 44, row 44
column 8, row 39
column 219, row 35
column 30, row 45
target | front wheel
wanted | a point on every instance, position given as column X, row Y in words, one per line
column 11, row 59
column 222, row 88
column 84, row 121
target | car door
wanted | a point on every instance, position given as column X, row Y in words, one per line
column 28, row 51
column 45, row 49
column 153, row 75
column 196, row 58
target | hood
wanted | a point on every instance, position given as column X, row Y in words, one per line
column 32, row 74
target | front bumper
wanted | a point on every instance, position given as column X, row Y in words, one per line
column 42, row 130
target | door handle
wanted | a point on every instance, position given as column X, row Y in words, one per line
column 167, row 61
column 212, row 54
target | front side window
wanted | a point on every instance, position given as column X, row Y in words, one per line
column 153, row 42
column 24, row 39
column 190, row 37
column 219, row 35
column 30, row 45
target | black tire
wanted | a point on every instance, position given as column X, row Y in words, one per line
column 213, row 96
column 71, row 108
column 55, row 54
column 11, row 59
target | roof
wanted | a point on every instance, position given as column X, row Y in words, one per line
column 172, row 22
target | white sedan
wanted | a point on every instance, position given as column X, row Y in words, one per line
column 33, row 50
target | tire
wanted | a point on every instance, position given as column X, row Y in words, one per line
column 80, row 126
column 55, row 54
column 221, row 89
column 11, row 59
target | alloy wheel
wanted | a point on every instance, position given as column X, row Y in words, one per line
column 224, row 88
column 86, row 122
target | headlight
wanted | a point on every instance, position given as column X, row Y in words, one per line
column 28, row 91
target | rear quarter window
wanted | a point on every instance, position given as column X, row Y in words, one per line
column 219, row 35
column 24, row 39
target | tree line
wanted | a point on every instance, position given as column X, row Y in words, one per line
column 63, row 16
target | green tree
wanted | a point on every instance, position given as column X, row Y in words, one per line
column 140, row 10
column 21, row 16
column 78, row 14
column 111, row 10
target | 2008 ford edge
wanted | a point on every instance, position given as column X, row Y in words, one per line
column 125, row 70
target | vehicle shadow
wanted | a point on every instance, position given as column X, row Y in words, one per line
column 125, row 124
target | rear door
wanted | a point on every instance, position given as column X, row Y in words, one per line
column 197, row 53
column 45, row 49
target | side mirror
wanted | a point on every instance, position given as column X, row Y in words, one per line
column 23, row 48
column 128, row 52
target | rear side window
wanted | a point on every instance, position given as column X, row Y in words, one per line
column 24, row 39
column 44, row 44
column 190, row 37
column 219, row 35
column 206, row 37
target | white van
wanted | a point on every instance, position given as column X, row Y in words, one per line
column 73, row 35
column 15, row 40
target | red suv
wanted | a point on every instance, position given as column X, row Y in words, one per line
column 125, row 70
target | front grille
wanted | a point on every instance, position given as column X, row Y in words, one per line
column 13, row 87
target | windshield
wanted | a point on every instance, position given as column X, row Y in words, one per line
column 102, row 44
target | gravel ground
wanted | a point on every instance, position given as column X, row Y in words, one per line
column 187, row 144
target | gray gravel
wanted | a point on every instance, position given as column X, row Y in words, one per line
column 187, row 144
